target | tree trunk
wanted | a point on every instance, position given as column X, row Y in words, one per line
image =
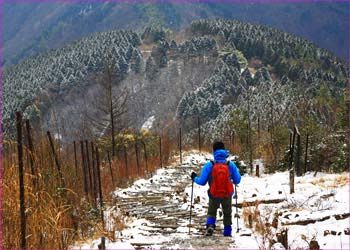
column 110, row 167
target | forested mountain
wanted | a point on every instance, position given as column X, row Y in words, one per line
column 255, row 80
column 31, row 28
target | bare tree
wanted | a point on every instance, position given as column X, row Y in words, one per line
column 108, row 104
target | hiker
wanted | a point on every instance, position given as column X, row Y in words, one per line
column 220, row 174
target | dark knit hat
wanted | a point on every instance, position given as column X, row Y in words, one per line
column 218, row 145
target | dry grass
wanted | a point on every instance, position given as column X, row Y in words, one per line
column 264, row 225
column 332, row 183
column 49, row 207
column 57, row 216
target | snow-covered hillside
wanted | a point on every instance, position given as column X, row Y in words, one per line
column 158, row 211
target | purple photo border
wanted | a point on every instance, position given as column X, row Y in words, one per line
column 183, row 1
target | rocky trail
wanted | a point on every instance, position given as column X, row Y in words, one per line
column 163, row 203
column 156, row 211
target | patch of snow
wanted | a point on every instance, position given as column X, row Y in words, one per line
column 148, row 123
column 109, row 245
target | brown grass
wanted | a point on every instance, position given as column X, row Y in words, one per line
column 332, row 183
column 265, row 226
column 58, row 216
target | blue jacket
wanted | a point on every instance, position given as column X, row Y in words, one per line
column 220, row 156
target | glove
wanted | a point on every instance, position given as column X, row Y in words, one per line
column 193, row 175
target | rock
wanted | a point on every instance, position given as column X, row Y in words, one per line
column 197, row 200
column 277, row 245
column 287, row 216
column 279, row 192
column 246, row 234
column 314, row 245
column 333, row 232
column 254, row 195
column 326, row 232
column 347, row 231
column 325, row 196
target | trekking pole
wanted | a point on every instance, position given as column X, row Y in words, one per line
column 236, row 215
column 189, row 227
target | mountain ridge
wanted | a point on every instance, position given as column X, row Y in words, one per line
column 25, row 36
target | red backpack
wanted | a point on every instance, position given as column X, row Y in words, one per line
column 221, row 185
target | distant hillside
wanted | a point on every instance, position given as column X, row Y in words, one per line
column 216, row 59
column 31, row 28
column 234, row 76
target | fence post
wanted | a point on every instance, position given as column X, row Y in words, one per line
column 291, row 168
column 94, row 174
column 88, row 166
column 31, row 152
column 259, row 132
column 145, row 154
column 83, row 165
column 180, row 145
column 306, row 148
column 199, row 134
column 233, row 141
column 101, row 198
column 137, row 158
column 75, row 159
column 126, row 160
column 160, row 152
column 56, row 158
column 21, row 179
column 297, row 162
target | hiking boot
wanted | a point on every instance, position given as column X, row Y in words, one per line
column 209, row 231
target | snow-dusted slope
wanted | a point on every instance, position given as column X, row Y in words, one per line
column 159, row 211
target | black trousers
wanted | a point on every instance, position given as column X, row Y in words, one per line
column 226, row 205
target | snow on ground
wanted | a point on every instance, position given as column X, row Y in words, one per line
column 315, row 198
column 148, row 123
